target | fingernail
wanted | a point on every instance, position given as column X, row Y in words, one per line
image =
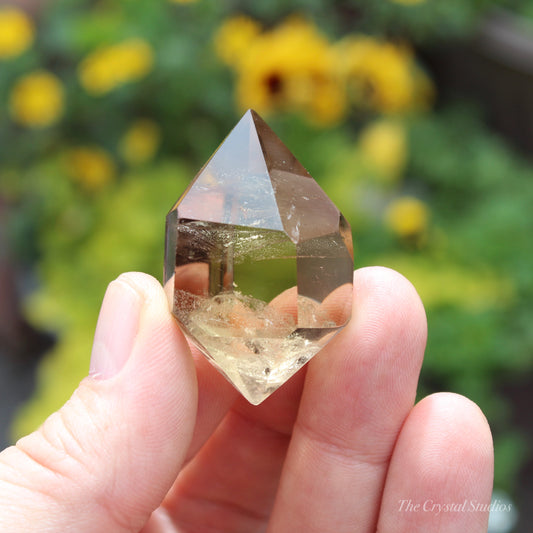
column 116, row 329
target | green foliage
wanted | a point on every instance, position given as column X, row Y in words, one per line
column 187, row 91
column 510, row 451
column 122, row 230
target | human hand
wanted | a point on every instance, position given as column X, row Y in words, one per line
column 155, row 440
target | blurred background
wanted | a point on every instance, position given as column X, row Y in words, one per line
column 416, row 116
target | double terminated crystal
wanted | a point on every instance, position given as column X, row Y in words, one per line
column 259, row 261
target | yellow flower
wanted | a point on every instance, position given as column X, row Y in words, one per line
column 16, row 32
column 108, row 68
column 140, row 142
column 384, row 146
column 233, row 38
column 383, row 75
column 291, row 68
column 91, row 167
column 407, row 217
column 37, row 99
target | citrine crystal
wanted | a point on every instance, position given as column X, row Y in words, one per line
column 258, row 261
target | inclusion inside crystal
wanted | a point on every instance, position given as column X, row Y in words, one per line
column 259, row 261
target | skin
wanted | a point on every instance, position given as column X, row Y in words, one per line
column 155, row 440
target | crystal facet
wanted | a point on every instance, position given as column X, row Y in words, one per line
column 258, row 261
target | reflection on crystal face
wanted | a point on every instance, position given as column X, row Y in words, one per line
column 258, row 261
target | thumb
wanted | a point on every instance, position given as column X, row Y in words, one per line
column 107, row 458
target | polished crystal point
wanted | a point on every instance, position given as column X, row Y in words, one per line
column 258, row 261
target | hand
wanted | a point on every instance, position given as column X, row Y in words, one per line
column 155, row 440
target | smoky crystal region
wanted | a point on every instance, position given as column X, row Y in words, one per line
column 258, row 261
